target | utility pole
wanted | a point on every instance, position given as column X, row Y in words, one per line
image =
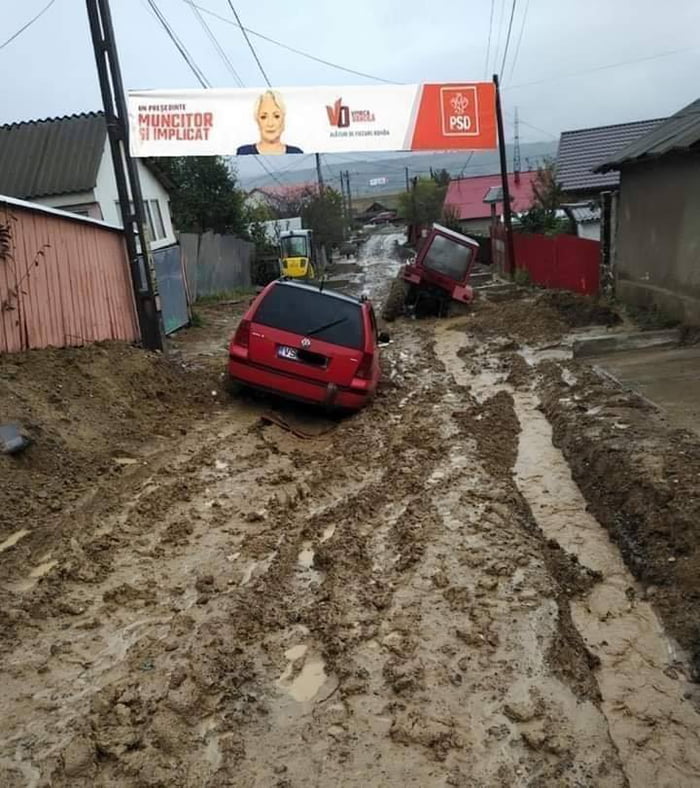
column 126, row 174
column 507, row 220
column 319, row 175
column 349, row 191
column 516, row 149
column 344, row 196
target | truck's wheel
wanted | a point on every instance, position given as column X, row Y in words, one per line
column 396, row 300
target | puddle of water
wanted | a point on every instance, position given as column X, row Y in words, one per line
column 39, row 571
column 483, row 384
column 655, row 731
column 125, row 461
column 261, row 566
column 568, row 377
column 306, row 556
column 534, row 355
column 306, row 684
column 213, row 754
column 42, row 569
column 12, row 540
column 378, row 265
column 327, row 534
column 295, row 652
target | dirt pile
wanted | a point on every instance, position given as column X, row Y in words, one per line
column 525, row 321
column 89, row 412
column 642, row 481
column 578, row 310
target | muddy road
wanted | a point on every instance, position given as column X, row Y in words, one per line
column 417, row 595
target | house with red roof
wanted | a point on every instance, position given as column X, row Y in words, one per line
column 465, row 196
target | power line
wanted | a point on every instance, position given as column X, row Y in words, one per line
column 267, row 80
column 197, row 71
column 466, row 164
column 510, row 28
column 182, row 49
column 229, row 65
column 250, row 44
column 488, row 46
column 28, row 24
column 536, row 128
column 594, row 69
column 520, row 38
column 299, row 52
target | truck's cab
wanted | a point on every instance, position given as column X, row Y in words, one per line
column 297, row 254
column 441, row 268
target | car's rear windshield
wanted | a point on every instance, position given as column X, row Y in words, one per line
column 448, row 257
column 312, row 314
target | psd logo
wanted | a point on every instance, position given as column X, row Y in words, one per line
column 460, row 111
column 339, row 115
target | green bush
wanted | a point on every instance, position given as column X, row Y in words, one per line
column 196, row 321
column 522, row 277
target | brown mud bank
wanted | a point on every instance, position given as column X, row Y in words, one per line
column 642, row 482
column 91, row 414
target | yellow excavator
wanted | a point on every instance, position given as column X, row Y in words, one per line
column 297, row 259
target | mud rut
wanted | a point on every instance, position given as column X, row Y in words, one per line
column 417, row 597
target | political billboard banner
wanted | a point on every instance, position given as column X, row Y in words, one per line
column 213, row 121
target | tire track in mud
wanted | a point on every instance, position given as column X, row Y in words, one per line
column 656, row 732
column 376, row 607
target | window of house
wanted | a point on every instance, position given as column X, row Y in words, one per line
column 154, row 219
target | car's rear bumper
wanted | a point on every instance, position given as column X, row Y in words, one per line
column 294, row 387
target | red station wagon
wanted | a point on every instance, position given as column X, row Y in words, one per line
column 308, row 344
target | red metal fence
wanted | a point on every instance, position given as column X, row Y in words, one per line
column 560, row 262
column 63, row 281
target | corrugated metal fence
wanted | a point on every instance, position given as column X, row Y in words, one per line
column 216, row 263
column 560, row 262
column 63, row 281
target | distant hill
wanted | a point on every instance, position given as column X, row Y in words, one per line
column 388, row 171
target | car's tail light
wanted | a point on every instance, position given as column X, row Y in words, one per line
column 364, row 371
column 242, row 336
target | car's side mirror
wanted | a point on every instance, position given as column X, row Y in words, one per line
column 383, row 337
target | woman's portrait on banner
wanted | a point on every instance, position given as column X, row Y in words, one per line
column 270, row 114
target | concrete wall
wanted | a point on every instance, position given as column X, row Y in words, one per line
column 658, row 237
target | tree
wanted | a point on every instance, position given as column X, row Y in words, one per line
column 450, row 218
column 549, row 194
column 322, row 212
column 204, row 195
column 548, row 197
column 423, row 204
column 441, row 177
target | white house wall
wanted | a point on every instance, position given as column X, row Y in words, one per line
column 86, row 200
column 590, row 230
column 106, row 194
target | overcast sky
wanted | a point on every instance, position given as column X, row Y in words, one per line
column 49, row 69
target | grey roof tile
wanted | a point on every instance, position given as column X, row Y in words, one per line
column 582, row 150
column 582, row 212
column 40, row 158
column 680, row 132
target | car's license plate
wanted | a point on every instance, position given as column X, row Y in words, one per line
column 288, row 352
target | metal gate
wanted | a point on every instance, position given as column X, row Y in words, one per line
column 170, row 276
